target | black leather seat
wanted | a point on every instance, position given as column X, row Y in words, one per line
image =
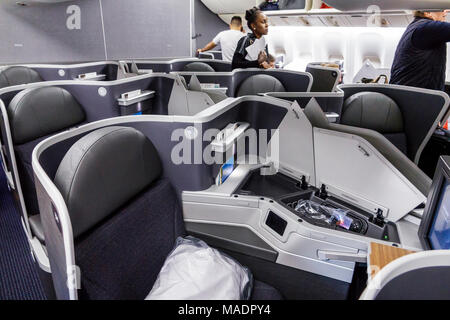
column 17, row 75
column 198, row 67
column 124, row 213
column 378, row 112
column 34, row 115
column 260, row 83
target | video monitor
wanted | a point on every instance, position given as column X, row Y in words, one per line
column 434, row 231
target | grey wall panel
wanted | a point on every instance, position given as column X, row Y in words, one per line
column 207, row 24
column 146, row 28
column 38, row 33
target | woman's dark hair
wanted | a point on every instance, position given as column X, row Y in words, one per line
column 251, row 16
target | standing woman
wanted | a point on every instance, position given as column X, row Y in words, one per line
column 251, row 51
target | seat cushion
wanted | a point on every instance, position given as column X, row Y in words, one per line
column 36, row 227
column 121, row 258
column 260, row 83
column 373, row 110
column 198, row 67
column 38, row 112
column 378, row 112
column 262, row 291
column 17, row 75
column 102, row 171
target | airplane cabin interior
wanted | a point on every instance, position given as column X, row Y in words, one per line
column 136, row 165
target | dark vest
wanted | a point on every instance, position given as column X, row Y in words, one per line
column 418, row 67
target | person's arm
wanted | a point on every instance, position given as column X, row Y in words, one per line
column 239, row 62
column 431, row 34
column 212, row 44
column 208, row 47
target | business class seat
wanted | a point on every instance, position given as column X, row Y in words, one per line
column 418, row 276
column 198, row 67
column 125, row 215
column 17, row 75
column 416, row 176
column 405, row 122
column 376, row 111
column 259, row 83
column 34, row 115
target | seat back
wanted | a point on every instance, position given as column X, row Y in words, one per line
column 378, row 112
column 17, row 75
column 198, row 67
column 260, row 83
column 34, row 114
column 38, row 112
column 416, row 176
column 325, row 79
column 125, row 218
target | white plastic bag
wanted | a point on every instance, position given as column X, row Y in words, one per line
column 195, row 271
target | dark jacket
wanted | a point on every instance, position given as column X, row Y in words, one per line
column 421, row 56
column 239, row 61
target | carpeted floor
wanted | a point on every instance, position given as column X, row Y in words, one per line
column 19, row 278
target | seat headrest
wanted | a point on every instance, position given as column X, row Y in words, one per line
column 17, row 75
column 37, row 112
column 372, row 110
column 260, row 83
column 104, row 170
column 198, row 67
column 315, row 115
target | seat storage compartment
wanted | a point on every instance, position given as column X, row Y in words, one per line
column 273, row 186
column 362, row 222
column 289, row 192
column 357, row 225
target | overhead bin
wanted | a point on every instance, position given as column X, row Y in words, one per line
column 230, row 6
column 41, row 1
column 362, row 5
column 344, row 13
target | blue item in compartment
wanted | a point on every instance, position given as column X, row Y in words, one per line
column 227, row 169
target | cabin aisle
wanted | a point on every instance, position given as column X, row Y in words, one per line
column 19, row 279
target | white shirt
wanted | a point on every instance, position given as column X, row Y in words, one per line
column 228, row 40
column 254, row 49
